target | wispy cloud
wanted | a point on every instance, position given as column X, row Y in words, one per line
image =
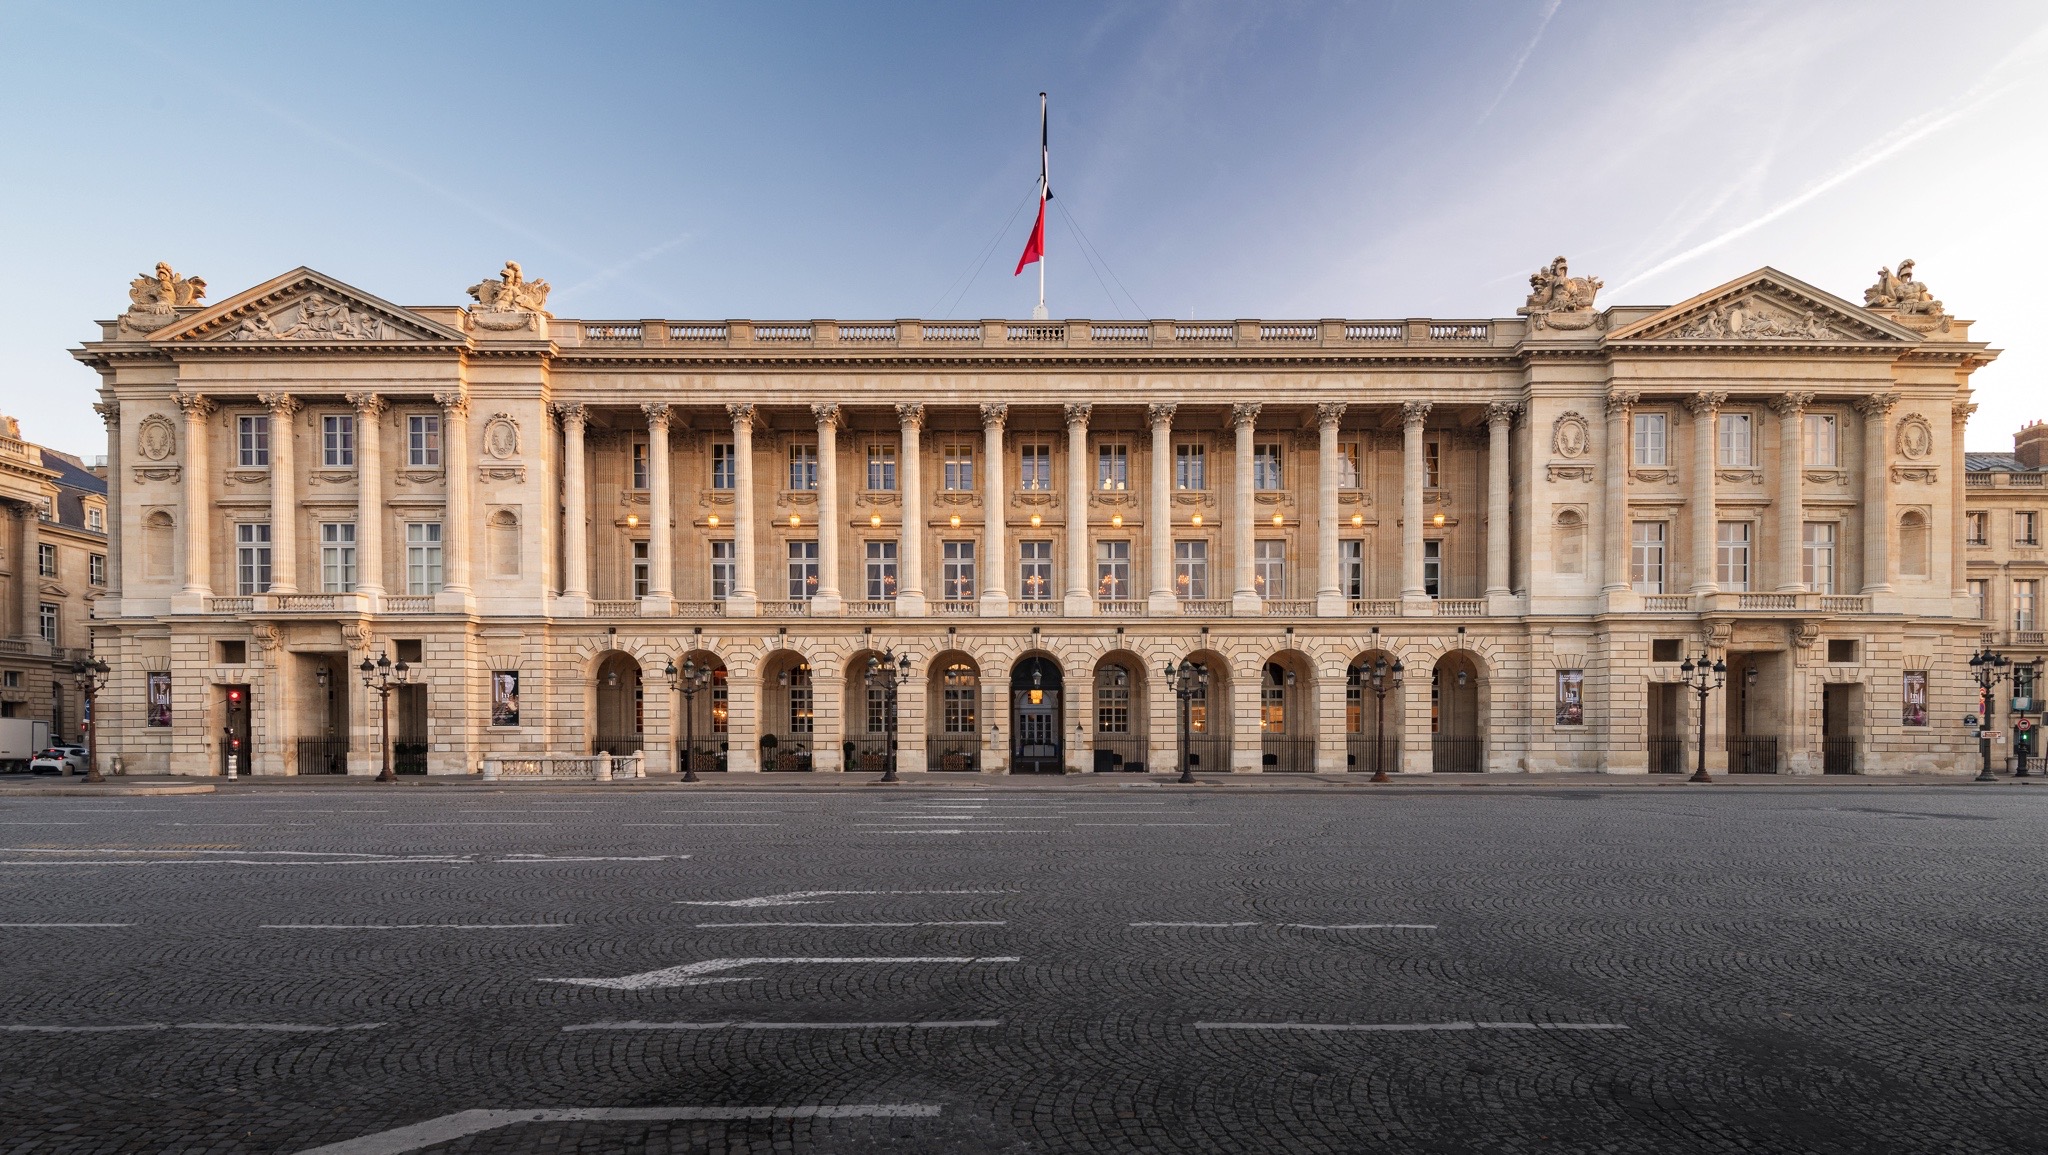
column 1549, row 10
column 640, row 258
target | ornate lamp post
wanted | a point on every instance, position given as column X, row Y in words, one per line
column 383, row 676
column 1379, row 677
column 1989, row 669
column 1188, row 681
column 691, row 680
column 888, row 672
column 1703, row 678
column 90, row 675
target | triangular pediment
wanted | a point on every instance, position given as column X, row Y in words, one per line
column 1765, row 307
column 305, row 308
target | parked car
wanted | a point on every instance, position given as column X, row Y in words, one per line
column 59, row 760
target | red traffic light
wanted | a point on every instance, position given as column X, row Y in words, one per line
column 234, row 695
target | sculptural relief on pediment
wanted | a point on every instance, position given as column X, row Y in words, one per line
column 1753, row 319
column 312, row 317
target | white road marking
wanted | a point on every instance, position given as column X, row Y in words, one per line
column 232, row 862
column 592, row 857
column 62, row 824
column 1195, row 924
column 448, row 1128
column 921, row 1025
column 814, row 897
column 1360, row 925
column 414, row 925
column 690, row 974
column 1151, row 823
column 66, row 924
column 735, row 824
column 981, row 830
column 290, row 1028
column 1454, row 1026
column 421, row 824
column 989, row 922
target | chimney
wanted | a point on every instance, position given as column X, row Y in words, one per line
column 2030, row 445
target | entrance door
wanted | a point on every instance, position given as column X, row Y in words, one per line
column 1667, row 738
column 1036, row 726
column 1837, row 730
column 409, row 730
column 234, row 741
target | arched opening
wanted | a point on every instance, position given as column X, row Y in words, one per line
column 1372, row 713
column 1455, row 742
column 1037, row 742
column 867, row 724
column 1207, row 720
column 619, row 715
column 1120, row 714
column 788, row 712
column 953, row 713
column 1913, row 537
column 1287, row 724
column 707, row 713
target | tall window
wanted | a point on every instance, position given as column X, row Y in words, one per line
column 1269, row 567
column 878, row 710
column 2026, row 527
column 1034, row 571
column 338, row 557
column 1432, row 464
column 1112, row 700
column 1113, row 468
column 1351, row 568
column 640, row 569
column 1190, row 467
column 96, row 568
column 959, row 687
column 1817, row 439
column 1266, row 467
column 252, row 441
column 881, row 570
column 1731, row 555
column 46, row 622
column 1817, row 556
column 801, row 712
column 423, row 557
column 423, row 440
column 1976, row 528
column 1736, row 449
column 725, row 573
column 1191, row 569
column 803, row 466
column 46, row 559
column 338, row 440
column 803, row 570
column 1273, row 700
column 1034, row 467
column 724, row 465
column 252, row 558
column 1433, row 567
column 1980, row 591
column 956, row 471
column 1646, row 557
column 2026, row 594
column 1651, row 432
column 639, row 465
column 882, row 468
column 1113, row 570
column 957, row 573
column 1348, row 475
column 95, row 520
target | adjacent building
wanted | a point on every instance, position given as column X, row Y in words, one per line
column 2004, row 500
column 53, row 570
column 1538, row 517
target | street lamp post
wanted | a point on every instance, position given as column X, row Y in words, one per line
column 1188, row 681
column 1703, row 678
column 888, row 672
column 1379, row 677
column 690, row 680
column 90, row 675
column 383, row 676
column 1989, row 669
column 2022, row 728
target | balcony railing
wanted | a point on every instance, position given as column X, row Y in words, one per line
column 304, row 603
column 1205, row 607
column 408, row 604
column 1766, row 601
column 1461, row 607
column 1667, row 603
column 700, row 608
column 615, row 608
column 1073, row 333
column 956, row 608
column 1290, row 607
column 1376, row 608
column 871, row 608
column 1035, row 608
column 230, row 605
column 796, row 608
column 1844, row 604
column 1119, row 607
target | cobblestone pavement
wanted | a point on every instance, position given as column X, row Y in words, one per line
column 1833, row 970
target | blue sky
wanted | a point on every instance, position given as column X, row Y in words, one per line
column 857, row 160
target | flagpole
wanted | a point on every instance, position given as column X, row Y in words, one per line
column 1044, row 182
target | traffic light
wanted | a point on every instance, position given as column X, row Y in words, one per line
column 235, row 697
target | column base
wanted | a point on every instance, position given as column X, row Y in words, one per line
column 1077, row 605
column 569, row 606
column 1417, row 605
column 828, row 605
column 658, row 606
column 1331, row 604
column 1164, row 605
column 995, row 605
column 743, row 606
column 911, row 605
column 1246, row 604
column 1502, row 604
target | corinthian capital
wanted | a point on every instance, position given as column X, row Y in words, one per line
column 1161, row 414
column 1329, row 414
column 741, row 414
column 994, row 414
column 1622, row 402
column 1706, row 404
column 1078, row 414
column 109, row 411
column 194, row 404
column 1503, row 412
column 910, row 414
column 1245, row 414
column 1876, row 404
column 367, row 405
column 568, row 413
column 826, row 415
column 1414, row 413
column 453, row 403
column 279, row 404
column 1793, row 403
column 1959, row 413
column 657, row 414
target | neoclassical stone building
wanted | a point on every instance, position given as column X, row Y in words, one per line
column 2003, row 537
column 1537, row 516
column 53, row 569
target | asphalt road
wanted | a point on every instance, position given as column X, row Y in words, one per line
column 1139, row 970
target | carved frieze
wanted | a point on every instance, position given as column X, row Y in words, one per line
column 1654, row 474
column 1558, row 472
column 1920, row 473
column 313, row 317
column 157, row 473
column 1740, row 476
column 1750, row 319
column 501, row 473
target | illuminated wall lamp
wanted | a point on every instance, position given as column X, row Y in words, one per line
column 875, row 520
column 712, row 521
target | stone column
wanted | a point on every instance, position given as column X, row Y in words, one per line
column 575, row 510
column 1791, row 497
column 456, row 477
column 1614, row 554
column 745, row 600
column 910, row 548
column 1080, row 595
column 1499, row 417
column 28, row 574
column 110, row 413
column 369, row 496
column 1414, row 479
column 284, row 500
column 196, row 531
column 1160, row 597
column 1959, row 570
column 1244, row 593
column 1329, row 583
column 1877, row 493
column 661, row 561
column 1706, row 408
column 829, row 600
column 995, row 544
